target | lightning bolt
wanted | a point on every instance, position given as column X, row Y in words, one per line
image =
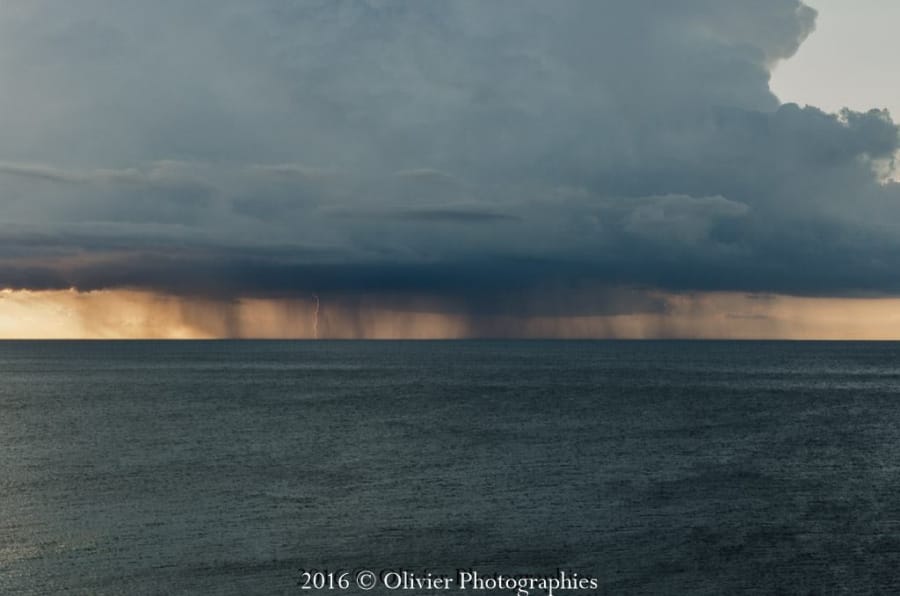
column 316, row 317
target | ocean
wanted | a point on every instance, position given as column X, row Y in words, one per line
column 655, row 467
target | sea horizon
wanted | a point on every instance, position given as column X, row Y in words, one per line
column 450, row 340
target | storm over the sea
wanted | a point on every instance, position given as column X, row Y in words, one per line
column 578, row 173
column 501, row 165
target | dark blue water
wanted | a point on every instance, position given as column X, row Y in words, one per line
column 655, row 467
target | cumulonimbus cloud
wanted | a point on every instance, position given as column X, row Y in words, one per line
column 470, row 150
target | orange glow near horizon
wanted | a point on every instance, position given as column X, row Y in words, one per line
column 125, row 314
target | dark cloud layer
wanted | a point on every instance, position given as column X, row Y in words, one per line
column 477, row 152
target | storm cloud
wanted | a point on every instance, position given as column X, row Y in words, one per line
column 477, row 152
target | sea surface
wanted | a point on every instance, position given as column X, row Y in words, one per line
column 654, row 467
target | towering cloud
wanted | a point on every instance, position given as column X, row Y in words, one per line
column 472, row 156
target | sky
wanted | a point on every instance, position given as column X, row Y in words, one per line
column 396, row 168
column 848, row 61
